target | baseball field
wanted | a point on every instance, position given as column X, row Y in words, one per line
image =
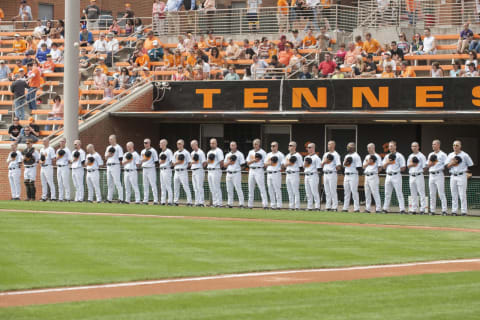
column 113, row 261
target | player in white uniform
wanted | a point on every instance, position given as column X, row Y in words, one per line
column 113, row 158
column 197, row 163
column 273, row 165
column 437, row 160
column 331, row 163
column 14, row 161
column 181, row 159
column 78, row 170
column 256, row 175
column 292, row 163
column 166, row 160
column 311, row 165
column 234, row 161
column 416, row 164
column 372, row 165
column 458, row 162
column 93, row 163
column 47, row 155
column 63, row 160
column 214, row 167
column 131, row 162
column 352, row 164
column 30, row 160
column 394, row 165
column 149, row 159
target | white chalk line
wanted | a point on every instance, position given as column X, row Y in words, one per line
column 231, row 276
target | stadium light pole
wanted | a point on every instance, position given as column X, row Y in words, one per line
column 71, row 74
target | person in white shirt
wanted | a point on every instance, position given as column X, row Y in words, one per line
column 47, row 155
column 166, row 161
column 113, row 158
column 93, row 163
column 458, row 162
column 131, row 162
column 100, row 45
column 57, row 54
column 78, row 171
column 63, row 159
column 45, row 39
column 429, row 44
column 311, row 165
column 149, row 159
column 388, row 61
column 234, row 162
column 273, row 164
column 416, row 164
column 256, row 175
column 371, row 167
column 352, row 164
column 394, row 165
column 292, row 163
column 214, row 167
column 197, row 163
column 14, row 161
column 436, row 179
column 181, row 159
column 331, row 163
column 258, row 68
column 112, row 48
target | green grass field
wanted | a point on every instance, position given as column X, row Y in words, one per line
column 43, row 250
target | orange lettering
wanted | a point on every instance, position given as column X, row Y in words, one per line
column 476, row 94
column 250, row 98
column 207, row 96
column 360, row 92
column 423, row 97
column 319, row 102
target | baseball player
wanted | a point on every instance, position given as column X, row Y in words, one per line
column 93, row 163
column 30, row 160
column 181, row 160
column 47, row 155
column 131, row 162
column 331, row 163
column 149, row 160
column 437, row 160
column 416, row 164
column 371, row 167
column 352, row 164
column 214, row 165
column 255, row 161
column 14, row 161
column 78, row 170
column 166, row 160
column 197, row 163
column 292, row 163
column 273, row 165
column 311, row 165
column 234, row 161
column 458, row 162
column 113, row 158
column 394, row 165
column 64, row 158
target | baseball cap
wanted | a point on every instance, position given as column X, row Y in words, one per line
column 388, row 53
column 17, row 34
column 101, row 58
column 2, row 61
column 155, row 42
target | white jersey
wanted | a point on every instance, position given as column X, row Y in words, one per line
column 441, row 161
column 296, row 166
column 65, row 159
column 201, row 159
column 251, row 156
column 316, row 164
column 278, row 166
column 356, row 163
column 422, row 163
column 236, row 166
column 332, row 166
column 14, row 163
column 78, row 163
column 97, row 161
column 462, row 166
column 215, row 163
column 150, row 162
column 132, row 165
column 168, row 161
column 49, row 154
column 397, row 165
column 116, row 156
column 186, row 160
column 372, row 168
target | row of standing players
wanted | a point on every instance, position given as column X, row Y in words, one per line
column 176, row 165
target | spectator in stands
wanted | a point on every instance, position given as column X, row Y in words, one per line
column 57, row 54
column 256, row 46
column 142, row 61
column 15, row 129
column 233, row 51
column 403, row 43
column 472, row 58
column 139, row 27
column 282, row 43
column 19, row 66
column 129, row 28
column 178, row 75
column 282, row 15
column 263, row 48
column 34, row 128
column 100, row 45
column 258, row 68
column 57, row 111
column 158, row 15
column 296, row 39
column 387, row 60
column 466, row 36
column 471, row 71
column 156, row 52
column 357, row 68
column 101, row 64
column 84, row 63
column 274, row 63
column 341, row 53
column 191, row 58
column 272, row 50
column 34, row 82
column 19, row 45
column 45, row 39
column 305, row 74
column 198, row 73
column 296, row 60
column 41, row 55
column 115, row 27
column 359, row 43
column 406, row 71
column 456, row 69
column 436, row 71
column 39, row 29
column 327, row 67
column 338, row 74
column 59, row 32
column 352, row 54
column 205, row 68
column 100, row 80
column 189, row 41
column 4, row 71
column 396, row 52
column 417, row 44
column 285, row 55
column 24, row 13
column 180, row 45
column 309, row 41
column 369, row 67
column 189, row 72
column 315, row 72
column 121, row 81
column 112, row 48
column 429, row 44
column 248, row 74
column 18, row 88
column 148, row 43
column 31, row 44
column 371, row 45
column 48, row 66
column 86, row 37
column 388, row 72
column 323, row 39
column 247, row 51
column 231, row 75
column 201, row 43
column 28, row 58
column 48, row 28
column 27, row 135
column 91, row 14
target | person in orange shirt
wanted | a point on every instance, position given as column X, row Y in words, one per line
column 142, row 61
column 388, row 72
column 148, row 44
column 191, row 58
column 272, row 51
column 34, row 81
column 169, row 59
column 201, row 43
column 48, row 66
column 178, row 59
column 2, row 15
column 285, row 55
column 282, row 15
column 102, row 65
column 371, row 46
column 407, row 71
column 309, row 41
column 211, row 41
column 19, row 45
column 18, row 66
column 359, row 43
column 216, row 58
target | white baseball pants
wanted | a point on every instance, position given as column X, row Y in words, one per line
column 150, row 180
column 14, row 179
column 274, row 184
column 30, row 173
column 293, row 189
column 436, row 183
column 214, row 180
column 372, row 189
column 46, row 177
column 63, row 179
column 114, row 181
column 77, row 177
column 394, row 182
column 350, row 188
column 330, row 185
column 166, row 186
column 417, row 189
column 234, row 181
column 198, row 177
column 257, row 176
column 311, row 188
column 93, row 185
column 181, row 178
column 130, row 180
column 458, row 188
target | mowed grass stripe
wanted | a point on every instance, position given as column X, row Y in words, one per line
column 53, row 250
column 425, row 297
